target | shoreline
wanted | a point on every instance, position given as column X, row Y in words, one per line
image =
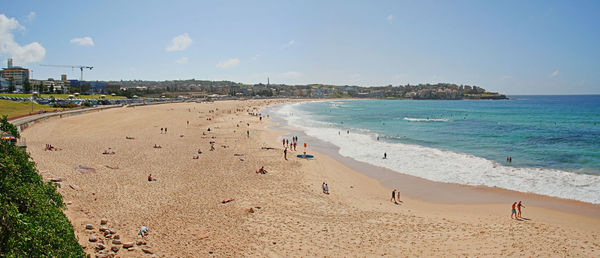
column 439, row 192
column 282, row 213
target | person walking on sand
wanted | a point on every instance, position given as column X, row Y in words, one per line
column 514, row 211
column 285, row 153
column 248, row 133
column 519, row 205
column 393, row 196
column 323, row 187
column 161, row 130
column 326, row 189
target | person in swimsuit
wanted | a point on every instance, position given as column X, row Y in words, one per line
column 514, row 211
column 393, row 196
column 519, row 205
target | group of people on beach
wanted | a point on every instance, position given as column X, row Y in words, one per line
column 325, row 188
column 286, row 144
column 163, row 130
column 516, row 212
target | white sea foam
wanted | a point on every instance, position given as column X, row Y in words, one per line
column 410, row 119
column 446, row 166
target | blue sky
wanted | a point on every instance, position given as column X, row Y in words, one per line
column 515, row 47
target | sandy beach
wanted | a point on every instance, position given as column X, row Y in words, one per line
column 281, row 213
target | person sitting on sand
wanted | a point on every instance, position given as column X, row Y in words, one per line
column 150, row 178
column 196, row 157
column 143, row 231
column 157, row 146
column 261, row 170
column 199, row 151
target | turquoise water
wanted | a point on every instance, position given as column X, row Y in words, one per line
column 553, row 140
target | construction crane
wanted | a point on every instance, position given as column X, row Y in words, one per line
column 81, row 67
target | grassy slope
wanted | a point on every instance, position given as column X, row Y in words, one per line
column 15, row 108
column 61, row 96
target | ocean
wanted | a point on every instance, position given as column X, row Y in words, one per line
column 554, row 141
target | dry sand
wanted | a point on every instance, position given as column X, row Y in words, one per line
column 291, row 216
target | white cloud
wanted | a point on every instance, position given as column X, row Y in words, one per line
column 31, row 16
column 85, row 41
column 233, row 62
column 289, row 44
column 32, row 52
column 290, row 75
column 390, row 18
column 554, row 74
column 180, row 43
column 182, row 60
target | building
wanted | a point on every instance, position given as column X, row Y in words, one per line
column 15, row 75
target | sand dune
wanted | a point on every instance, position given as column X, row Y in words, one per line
column 290, row 215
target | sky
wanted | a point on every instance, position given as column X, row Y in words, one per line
column 513, row 47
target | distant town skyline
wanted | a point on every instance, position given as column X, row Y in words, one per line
column 513, row 47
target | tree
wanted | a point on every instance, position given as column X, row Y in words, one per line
column 26, row 86
column 32, row 223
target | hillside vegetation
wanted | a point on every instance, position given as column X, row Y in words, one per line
column 32, row 222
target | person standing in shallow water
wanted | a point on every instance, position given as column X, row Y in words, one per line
column 385, row 155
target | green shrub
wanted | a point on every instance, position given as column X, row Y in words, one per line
column 32, row 222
